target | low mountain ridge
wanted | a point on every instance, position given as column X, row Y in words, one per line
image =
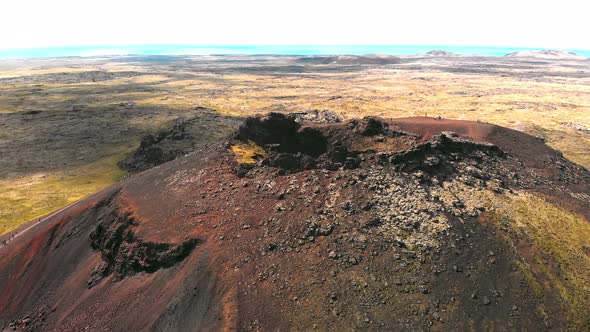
column 547, row 54
column 440, row 53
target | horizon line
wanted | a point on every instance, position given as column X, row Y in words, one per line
column 121, row 50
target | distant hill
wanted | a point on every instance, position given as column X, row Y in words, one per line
column 547, row 54
column 440, row 53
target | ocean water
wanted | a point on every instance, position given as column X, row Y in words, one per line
column 69, row 51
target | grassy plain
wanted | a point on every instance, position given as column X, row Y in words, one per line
column 65, row 123
column 562, row 260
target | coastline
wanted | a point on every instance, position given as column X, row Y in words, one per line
column 123, row 50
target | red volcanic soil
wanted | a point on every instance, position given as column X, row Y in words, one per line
column 428, row 127
column 305, row 238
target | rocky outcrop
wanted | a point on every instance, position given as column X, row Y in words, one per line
column 184, row 136
column 442, row 149
column 370, row 126
column 292, row 147
column 123, row 253
column 152, row 150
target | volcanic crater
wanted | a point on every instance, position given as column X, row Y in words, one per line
column 371, row 224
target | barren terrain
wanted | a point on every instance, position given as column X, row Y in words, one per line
column 71, row 126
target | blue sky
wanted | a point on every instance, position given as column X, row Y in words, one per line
column 524, row 23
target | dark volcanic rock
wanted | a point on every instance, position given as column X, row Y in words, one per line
column 281, row 133
column 440, row 150
column 152, row 150
column 184, row 136
column 274, row 128
column 124, row 254
column 371, row 126
column 292, row 147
